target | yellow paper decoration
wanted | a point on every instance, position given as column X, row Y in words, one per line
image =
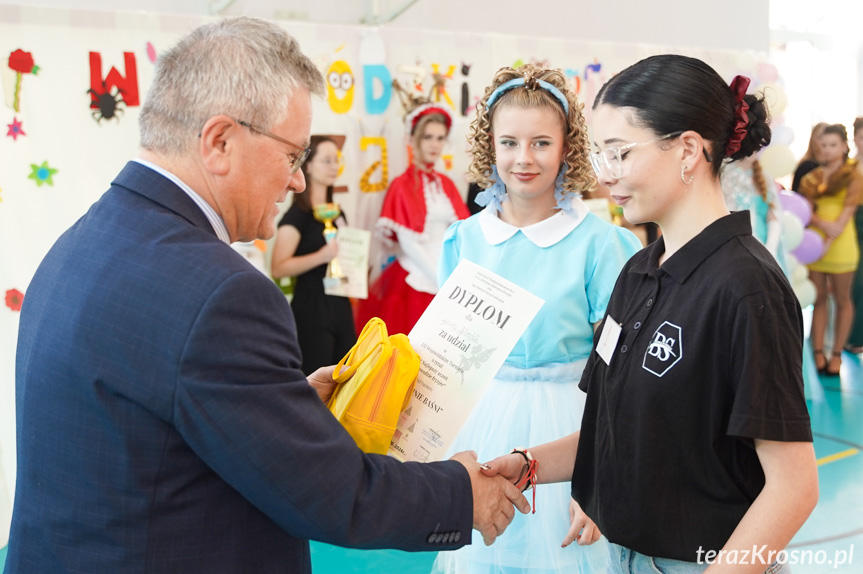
column 439, row 89
column 340, row 87
column 365, row 186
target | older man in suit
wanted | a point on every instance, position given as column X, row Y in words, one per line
column 164, row 424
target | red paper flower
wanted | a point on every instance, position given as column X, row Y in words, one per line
column 14, row 298
column 21, row 61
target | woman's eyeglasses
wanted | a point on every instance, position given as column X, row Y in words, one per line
column 612, row 157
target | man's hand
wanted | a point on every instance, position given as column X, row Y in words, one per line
column 493, row 499
column 322, row 381
column 581, row 529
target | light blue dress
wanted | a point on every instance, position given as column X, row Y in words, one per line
column 571, row 261
column 740, row 193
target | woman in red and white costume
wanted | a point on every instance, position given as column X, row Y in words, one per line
column 418, row 208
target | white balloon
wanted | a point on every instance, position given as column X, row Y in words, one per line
column 805, row 292
column 791, row 262
column 775, row 97
column 777, row 160
column 782, row 135
column 799, row 275
column 792, row 230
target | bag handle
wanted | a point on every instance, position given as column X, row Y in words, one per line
column 348, row 364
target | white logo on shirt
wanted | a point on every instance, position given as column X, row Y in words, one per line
column 665, row 349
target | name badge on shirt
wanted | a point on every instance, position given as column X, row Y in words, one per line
column 608, row 339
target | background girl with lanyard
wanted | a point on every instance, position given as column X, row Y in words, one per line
column 419, row 205
column 325, row 327
column 695, row 435
column 530, row 151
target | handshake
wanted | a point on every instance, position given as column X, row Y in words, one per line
column 495, row 498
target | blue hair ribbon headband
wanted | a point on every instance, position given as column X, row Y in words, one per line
column 506, row 86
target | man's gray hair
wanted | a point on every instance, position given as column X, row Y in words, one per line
column 242, row 67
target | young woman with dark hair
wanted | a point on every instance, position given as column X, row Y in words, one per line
column 325, row 326
column 834, row 190
column 695, row 444
column 530, row 153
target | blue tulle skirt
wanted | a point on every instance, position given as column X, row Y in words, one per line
column 524, row 408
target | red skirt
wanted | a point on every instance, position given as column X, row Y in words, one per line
column 394, row 301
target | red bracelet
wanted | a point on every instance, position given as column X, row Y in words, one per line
column 527, row 478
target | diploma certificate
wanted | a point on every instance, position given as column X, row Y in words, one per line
column 462, row 338
column 353, row 258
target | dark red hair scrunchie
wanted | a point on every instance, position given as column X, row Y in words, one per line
column 738, row 89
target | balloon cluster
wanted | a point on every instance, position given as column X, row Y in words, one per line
column 804, row 245
column 776, row 159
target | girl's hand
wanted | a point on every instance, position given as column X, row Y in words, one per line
column 329, row 251
column 582, row 528
column 831, row 229
column 509, row 466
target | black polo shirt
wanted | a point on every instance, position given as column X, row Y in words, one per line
column 709, row 358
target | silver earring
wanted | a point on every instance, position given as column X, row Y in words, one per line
column 682, row 172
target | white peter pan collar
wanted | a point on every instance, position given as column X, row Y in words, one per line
column 543, row 234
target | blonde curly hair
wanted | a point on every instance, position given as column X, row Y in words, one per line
column 579, row 173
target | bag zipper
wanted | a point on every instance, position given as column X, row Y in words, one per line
column 384, row 388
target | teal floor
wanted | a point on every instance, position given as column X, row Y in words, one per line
column 836, row 525
column 832, row 533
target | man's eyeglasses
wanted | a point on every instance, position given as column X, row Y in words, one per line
column 297, row 159
column 612, row 157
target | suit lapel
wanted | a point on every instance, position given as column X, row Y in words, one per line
column 156, row 187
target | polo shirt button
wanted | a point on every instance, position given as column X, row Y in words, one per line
column 649, row 302
column 624, row 349
column 637, row 325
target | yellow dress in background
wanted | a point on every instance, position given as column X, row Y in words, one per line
column 843, row 254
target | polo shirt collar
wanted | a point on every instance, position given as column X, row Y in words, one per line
column 687, row 259
column 543, row 234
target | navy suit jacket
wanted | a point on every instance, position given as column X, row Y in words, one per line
column 164, row 424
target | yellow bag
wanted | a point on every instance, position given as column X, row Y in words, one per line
column 376, row 379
